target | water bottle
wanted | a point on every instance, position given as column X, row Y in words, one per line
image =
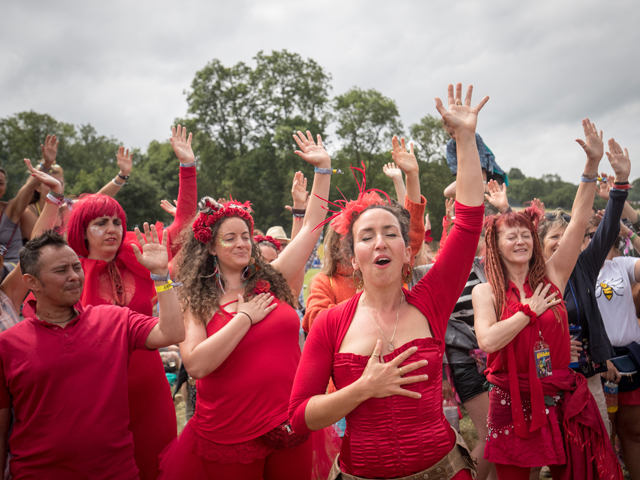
column 450, row 407
column 575, row 332
column 611, row 396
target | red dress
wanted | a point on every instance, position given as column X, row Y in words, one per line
column 552, row 420
column 395, row 436
column 151, row 410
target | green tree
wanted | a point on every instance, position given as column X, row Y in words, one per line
column 430, row 138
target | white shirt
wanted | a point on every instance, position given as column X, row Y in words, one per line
column 615, row 300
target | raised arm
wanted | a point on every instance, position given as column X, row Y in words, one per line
column 300, row 198
column 294, row 257
column 125, row 162
column 563, row 261
column 497, row 196
column 463, row 119
column 407, row 162
column 187, row 206
column 395, row 174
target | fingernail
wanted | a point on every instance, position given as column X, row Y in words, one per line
column 426, row 377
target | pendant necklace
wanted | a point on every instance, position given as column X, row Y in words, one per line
column 391, row 347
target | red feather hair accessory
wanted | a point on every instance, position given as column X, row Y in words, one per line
column 269, row 239
column 342, row 219
column 212, row 211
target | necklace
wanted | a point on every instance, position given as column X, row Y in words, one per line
column 391, row 347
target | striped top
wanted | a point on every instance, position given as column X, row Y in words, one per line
column 464, row 308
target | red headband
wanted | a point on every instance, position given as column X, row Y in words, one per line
column 342, row 219
column 212, row 211
column 266, row 238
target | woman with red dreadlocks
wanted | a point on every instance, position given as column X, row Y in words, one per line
column 97, row 231
column 388, row 373
column 540, row 411
column 242, row 342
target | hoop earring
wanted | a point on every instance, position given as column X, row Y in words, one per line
column 408, row 275
column 218, row 275
column 358, row 281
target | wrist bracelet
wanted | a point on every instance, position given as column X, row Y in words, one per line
column 160, row 278
column 187, row 165
column 526, row 309
column 588, row 179
column 124, row 177
column 250, row 319
column 627, row 186
column 621, row 183
column 327, row 171
column 45, row 170
column 590, row 175
column 117, row 183
column 298, row 212
column 296, row 215
column 59, row 196
column 168, row 286
column 51, row 199
column 633, row 237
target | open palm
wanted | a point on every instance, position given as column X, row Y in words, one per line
column 154, row 256
column 403, row 158
column 461, row 117
column 312, row 152
column 182, row 144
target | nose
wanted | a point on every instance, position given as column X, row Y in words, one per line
column 380, row 243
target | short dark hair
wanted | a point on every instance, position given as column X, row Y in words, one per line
column 30, row 253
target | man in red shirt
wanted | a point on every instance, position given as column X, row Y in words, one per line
column 64, row 368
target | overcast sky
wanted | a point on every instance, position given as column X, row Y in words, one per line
column 123, row 66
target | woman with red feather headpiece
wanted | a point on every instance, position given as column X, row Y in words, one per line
column 384, row 347
column 97, row 231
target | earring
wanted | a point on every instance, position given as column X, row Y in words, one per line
column 358, row 281
column 407, row 275
column 216, row 272
column 250, row 269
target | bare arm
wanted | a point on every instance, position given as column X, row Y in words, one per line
column 562, row 263
column 463, row 118
column 395, row 174
column 125, row 162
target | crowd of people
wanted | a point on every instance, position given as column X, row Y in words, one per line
column 519, row 316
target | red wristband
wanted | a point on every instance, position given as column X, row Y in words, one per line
column 526, row 309
column 622, row 187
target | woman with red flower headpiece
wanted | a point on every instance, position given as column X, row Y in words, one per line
column 242, row 342
column 384, row 347
column 540, row 411
column 96, row 230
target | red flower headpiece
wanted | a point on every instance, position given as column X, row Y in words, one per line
column 269, row 239
column 212, row 211
column 342, row 219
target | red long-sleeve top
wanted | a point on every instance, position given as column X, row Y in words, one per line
column 394, row 436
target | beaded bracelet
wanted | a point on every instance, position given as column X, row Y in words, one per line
column 327, row 171
column 124, row 177
column 588, row 179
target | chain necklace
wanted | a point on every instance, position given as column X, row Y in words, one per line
column 391, row 347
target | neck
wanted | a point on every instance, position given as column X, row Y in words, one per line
column 58, row 314
column 517, row 272
column 382, row 299
column 232, row 278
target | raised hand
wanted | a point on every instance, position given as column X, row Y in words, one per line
column 404, row 159
column 604, row 186
column 154, row 256
column 461, row 117
column 259, row 307
column 49, row 151
column 381, row 380
column 539, row 302
column 299, row 192
column 167, row 207
column 392, row 171
column 182, row 144
column 619, row 160
column 593, row 144
column 125, row 161
column 449, row 208
column 427, row 223
column 51, row 182
column 539, row 204
column 312, row 152
column 497, row 195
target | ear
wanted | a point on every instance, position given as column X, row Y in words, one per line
column 354, row 263
column 31, row 282
column 212, row 248
column 407, row 255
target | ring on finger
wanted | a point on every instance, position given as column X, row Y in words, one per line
column 458, row 102
column 376, row 355
column 401, row 371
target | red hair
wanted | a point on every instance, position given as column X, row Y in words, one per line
column 495, row 269
column 86, row 209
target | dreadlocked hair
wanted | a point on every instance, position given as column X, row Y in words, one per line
column 201, row 293
column 495, row 268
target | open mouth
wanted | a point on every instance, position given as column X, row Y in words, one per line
column 382, row 261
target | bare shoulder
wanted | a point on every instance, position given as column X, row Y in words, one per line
column 482, row 292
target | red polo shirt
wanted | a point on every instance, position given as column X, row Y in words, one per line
column 68, row 388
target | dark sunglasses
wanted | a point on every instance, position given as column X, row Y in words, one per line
column 590, row 235
column 552, row 216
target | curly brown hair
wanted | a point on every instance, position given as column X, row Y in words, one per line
column 201, row 293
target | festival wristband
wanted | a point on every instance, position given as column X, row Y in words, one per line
column 51, row 199
column 165, row 287
column 633, row 237
column 187, row 165
column 626, row 186
column 160, row 278
column 327, row 171
column 59, row 196
column 45, row 170
column 588, row 179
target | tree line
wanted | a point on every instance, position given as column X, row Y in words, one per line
column 243, row 117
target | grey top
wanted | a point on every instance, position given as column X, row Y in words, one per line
column 10, row 232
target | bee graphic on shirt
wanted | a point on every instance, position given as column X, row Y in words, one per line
column 609, row 288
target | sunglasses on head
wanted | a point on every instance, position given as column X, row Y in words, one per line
column 590, row 235
column 552, row 216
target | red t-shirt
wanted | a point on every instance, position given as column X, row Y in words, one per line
column 68, row 388
column 394, row 436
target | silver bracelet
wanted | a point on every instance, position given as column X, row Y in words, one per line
column 117, row 183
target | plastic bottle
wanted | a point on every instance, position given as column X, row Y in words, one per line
column 611, row 396
column 450, row 407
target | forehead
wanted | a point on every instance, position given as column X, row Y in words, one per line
column 375, row 218
column 52, row 257
column 233, row 225
column 556, row 229
column 506, row 230
column 105, row 217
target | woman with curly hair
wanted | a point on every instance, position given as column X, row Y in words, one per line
column 384, row 347
column 540, row 411
column 242, row 342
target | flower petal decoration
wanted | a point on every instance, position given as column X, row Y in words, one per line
column 212, row 211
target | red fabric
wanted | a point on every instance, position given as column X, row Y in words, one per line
column 589, row 454
column 394, row 436
column 68, row 389
column 517, row 356
column 629, row 398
